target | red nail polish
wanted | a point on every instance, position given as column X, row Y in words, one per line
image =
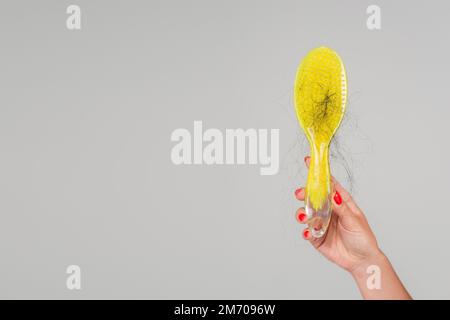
column 302, row 217
column 306, row 234
column 337, row 198
column 306, row 158
column 297, row 192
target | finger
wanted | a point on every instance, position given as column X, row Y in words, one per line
column 316, row 242
column 339, row 206
column 345, row 196
column 300, row 194
column 301, row 216
column 307, row 161
column 307, row 235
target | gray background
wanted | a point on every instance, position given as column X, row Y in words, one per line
column 85, row 124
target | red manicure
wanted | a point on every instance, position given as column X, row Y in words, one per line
column 306, row 234
column 297, row 192
column 302, row 217
column 306, row 158
column 337, row 198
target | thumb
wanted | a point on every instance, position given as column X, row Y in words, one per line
column 340, row 207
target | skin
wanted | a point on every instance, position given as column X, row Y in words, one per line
column 351, row 244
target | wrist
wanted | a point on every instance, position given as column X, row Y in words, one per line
column 376, row 279
column 377, row 258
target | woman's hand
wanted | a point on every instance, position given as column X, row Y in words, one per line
column 350, row 243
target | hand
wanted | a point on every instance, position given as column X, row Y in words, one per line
column 349, row 241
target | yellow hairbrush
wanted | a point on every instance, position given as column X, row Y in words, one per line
column 320, row 95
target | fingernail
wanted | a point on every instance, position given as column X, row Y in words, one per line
column 306, row 234
column 302, row 217
column 337, row 198
column 306, row 158
column 297, row 192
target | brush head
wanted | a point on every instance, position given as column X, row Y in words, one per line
column 320, row 94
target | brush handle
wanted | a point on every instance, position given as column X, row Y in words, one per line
column 318, row 191
column 319, row 219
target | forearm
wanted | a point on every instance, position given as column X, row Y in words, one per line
column 376, row 279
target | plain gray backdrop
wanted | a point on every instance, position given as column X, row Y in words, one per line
column 85, row 124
